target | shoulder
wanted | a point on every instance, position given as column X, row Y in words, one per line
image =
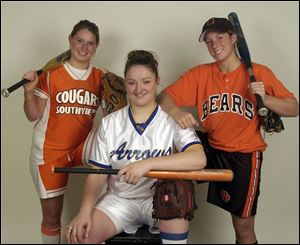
column 101, row 69
column 56, row 69
column 263, row 72
column 105, row 71
column 115, row 122
column 166, row 118
column 116, row 116
column 99, row 72
column 200, row 70
column 106, row 74
column 203, row 67
column 261, row 67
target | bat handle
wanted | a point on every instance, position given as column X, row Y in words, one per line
column 6, row 92
column 84, row 170
column 262, row 110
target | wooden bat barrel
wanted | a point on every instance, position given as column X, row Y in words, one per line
column 203, row 175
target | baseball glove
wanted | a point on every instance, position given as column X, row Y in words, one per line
column 174, row 199
column 272, row 122
column 113, row 93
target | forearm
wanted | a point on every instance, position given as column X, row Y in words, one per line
column 183, row 118
column 92, row 189
column 286, row 107
column 188, row 160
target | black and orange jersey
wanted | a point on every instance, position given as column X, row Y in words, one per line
column 226, row 107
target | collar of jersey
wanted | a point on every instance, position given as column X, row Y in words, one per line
column 141, row 127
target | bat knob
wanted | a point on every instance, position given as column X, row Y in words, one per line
column 4, row 93
column 263, row 111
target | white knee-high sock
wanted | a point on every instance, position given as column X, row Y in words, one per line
column 50, row 239
column 50, row 235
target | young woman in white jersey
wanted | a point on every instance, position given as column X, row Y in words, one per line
column 135, row 139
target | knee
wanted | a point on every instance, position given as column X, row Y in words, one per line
column 243, row 226
column 244, row 230
column 51, row 219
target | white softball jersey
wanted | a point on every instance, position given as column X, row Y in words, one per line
column 120, row 141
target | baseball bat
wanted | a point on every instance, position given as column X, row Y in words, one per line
column 245, row 56
column 50, row 64
column 203, row 175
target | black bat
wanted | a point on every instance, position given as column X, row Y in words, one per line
column 50, row 64
column 245, row 56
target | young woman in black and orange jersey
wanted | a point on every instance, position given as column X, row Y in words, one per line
column 226, row 106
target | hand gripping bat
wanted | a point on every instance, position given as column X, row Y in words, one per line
column 245, row 56
column 203, row 175
column 50, row 64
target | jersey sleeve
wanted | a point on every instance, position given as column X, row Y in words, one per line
column 43, row 86
column 184, row 138
column 99, row 155
column 184, row 90
column 273, row 86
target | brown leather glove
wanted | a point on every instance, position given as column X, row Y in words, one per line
column 272, row 122
column 113, row 93
column 174, row 199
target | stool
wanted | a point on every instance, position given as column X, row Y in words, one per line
column 143, row 235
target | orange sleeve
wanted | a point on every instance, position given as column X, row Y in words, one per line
column 273, row 86
column 184, row 90
column 43, row 83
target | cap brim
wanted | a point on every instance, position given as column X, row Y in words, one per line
column 201, row 37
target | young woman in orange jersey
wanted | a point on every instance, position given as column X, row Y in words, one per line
column 226, row 106
column 64, row 101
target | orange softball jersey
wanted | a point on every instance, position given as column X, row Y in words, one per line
column 226, row 107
